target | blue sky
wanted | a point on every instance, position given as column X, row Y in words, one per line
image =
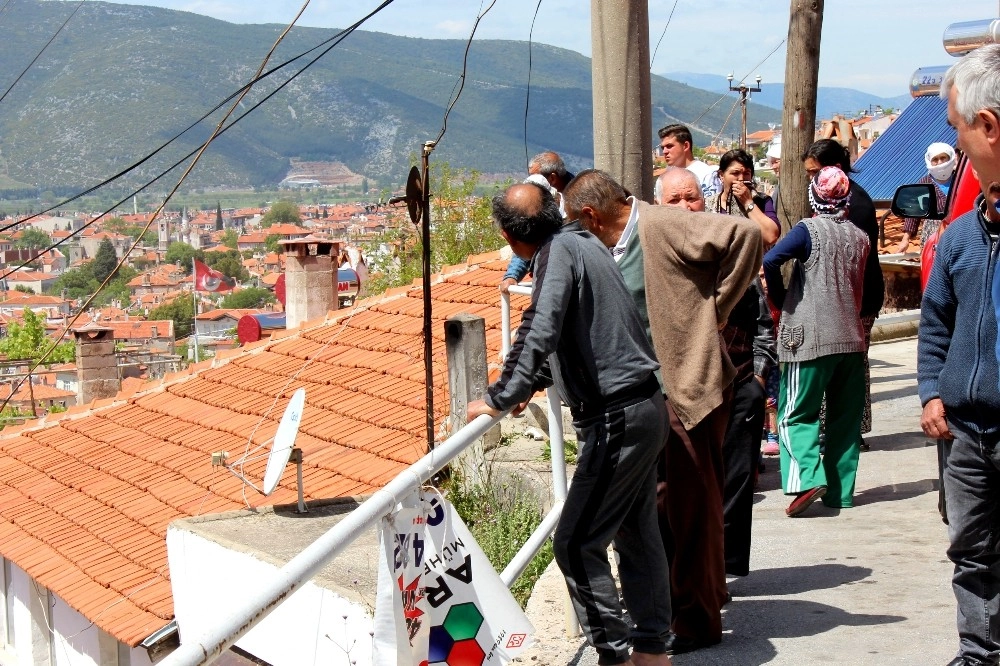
column 870, row 45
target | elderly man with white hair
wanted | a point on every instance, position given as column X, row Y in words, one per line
column 957, row 369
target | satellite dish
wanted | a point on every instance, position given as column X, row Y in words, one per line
column 284, row 439
column 414, row 194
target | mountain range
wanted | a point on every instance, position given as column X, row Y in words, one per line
column 829, row 100
column 120, row 80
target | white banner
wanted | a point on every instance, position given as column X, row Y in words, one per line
column 439, row 599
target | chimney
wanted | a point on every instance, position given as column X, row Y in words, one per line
column 310, row 279
column 96, row 363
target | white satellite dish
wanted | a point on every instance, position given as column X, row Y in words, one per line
column 284, row 440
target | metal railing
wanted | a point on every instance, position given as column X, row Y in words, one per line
column 212, row 641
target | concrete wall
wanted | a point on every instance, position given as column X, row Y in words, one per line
column 48, row 632
column 313, row 626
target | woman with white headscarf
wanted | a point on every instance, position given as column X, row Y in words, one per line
column 941, row 160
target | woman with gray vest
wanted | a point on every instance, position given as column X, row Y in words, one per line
column 821, row 344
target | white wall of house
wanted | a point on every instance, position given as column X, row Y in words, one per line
column 313, row 626
column 37, row 628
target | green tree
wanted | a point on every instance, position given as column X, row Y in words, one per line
column 104, row 261
column 33, row 238
column 230, row 238
column 181, row 254
column 24, row 289
column 78, row 282
column 229, row 263
column 252, row 297
column 271, row 242
column 181, row 311
column 462, row 225
column 283, row 212
column 218, row 216
column 27, row 341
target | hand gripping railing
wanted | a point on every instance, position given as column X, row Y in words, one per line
column 205, row 647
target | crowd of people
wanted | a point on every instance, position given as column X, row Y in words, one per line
column 666, row 329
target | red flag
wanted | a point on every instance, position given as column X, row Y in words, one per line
column 209, row 279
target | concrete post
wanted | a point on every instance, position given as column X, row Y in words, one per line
column 96, row 363
column 465, row 343
column 623, row 123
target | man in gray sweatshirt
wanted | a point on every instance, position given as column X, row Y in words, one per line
column 582, row 321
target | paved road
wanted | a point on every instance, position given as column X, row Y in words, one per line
column 868, row 585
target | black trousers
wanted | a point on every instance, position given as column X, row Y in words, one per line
column 741, row 455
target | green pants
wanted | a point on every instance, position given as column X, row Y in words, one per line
column 803, row 383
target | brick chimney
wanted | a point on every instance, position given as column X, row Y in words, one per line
column 310, row 279
column 96, row 363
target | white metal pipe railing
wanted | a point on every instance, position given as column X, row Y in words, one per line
column 269, row 594
column 235, row 622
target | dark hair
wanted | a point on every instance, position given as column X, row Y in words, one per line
column 829, row 153
column 678, row 131
column 596, row 189
column 532, row 225
column 736, row 155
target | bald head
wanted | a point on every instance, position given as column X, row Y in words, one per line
column 680, row 187
column 526, row 213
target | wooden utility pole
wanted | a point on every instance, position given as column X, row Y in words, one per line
column 623, row 121
column 798, row 120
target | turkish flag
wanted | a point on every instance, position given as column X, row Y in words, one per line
column 209, row 279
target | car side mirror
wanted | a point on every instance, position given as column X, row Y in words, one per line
column 917, row 201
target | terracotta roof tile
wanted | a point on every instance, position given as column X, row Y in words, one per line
column 85, row 499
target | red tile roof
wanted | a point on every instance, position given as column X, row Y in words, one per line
column 86, row 496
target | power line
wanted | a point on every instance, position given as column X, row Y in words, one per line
column 725, row 95
column 653, row 59
column 219, row 130
column 527, row 94
column 39, row 54
column 461, row 78
column 339, row 38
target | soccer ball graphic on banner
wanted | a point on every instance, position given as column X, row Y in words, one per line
column 454, row 642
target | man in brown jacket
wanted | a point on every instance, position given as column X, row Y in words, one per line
column 686, row 271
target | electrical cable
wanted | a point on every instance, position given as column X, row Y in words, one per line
column 527, row 93
column 461, row 78
column 39, row 54
column 180, row 181
column 653, row 59
column 338, row 37
column 703, row 113
column 341, row 36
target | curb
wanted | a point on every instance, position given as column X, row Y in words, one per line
column 897, row 325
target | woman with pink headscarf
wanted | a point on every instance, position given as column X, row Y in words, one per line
column 821, row 345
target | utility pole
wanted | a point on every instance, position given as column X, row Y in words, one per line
column 798, row 120
column 744, row 91
column 623, row 123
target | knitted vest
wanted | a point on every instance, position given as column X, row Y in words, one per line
column 820, row 314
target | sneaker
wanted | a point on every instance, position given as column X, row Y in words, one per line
column 864, row 445
column 770, row 449
column 803, row 500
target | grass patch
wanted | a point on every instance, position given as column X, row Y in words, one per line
column 570, row 449
column 501, row 517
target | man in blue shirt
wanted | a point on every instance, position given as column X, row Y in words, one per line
column 957, row 370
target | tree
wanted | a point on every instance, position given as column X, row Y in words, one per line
column 181, row 311
column 24, row 289
column 283, row 212
column 28, row 341
column 230, row 238
column 252, row 297
column 33, row 238
column 229, row 263
column 271, row 242
column 218, row 216
column 181, row 254
column 104, row 262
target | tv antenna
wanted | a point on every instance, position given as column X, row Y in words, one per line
column 282, row 452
